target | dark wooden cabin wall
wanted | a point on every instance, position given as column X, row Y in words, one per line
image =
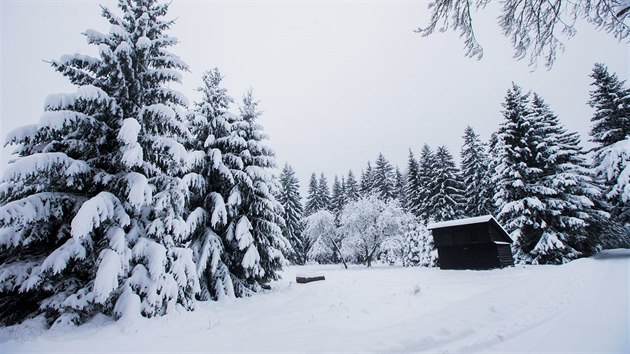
column 479, row 256
column 505, row 255
column 461, row 235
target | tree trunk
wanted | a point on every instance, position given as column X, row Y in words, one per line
column 340, row 255
column 368, row 256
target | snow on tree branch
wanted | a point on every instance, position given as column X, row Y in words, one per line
column 533, row 26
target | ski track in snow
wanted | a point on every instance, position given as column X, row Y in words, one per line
column 578, row 307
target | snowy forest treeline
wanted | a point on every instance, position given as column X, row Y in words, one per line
column 558, row 201
column 127, row 200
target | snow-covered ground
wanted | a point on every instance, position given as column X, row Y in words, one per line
column 578, row 307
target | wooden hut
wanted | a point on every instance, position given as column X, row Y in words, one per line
column 473, row 243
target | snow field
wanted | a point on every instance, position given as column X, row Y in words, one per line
column 578, row 307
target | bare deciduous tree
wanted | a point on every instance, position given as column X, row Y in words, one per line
column 533, row 26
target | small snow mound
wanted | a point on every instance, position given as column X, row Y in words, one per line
column 128, row 306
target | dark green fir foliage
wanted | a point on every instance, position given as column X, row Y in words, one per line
column 413, row 200
column 352, row 190
column 383, row 178
column 544, row 190
column 211, row 181
column 313, row 202
column 494, row 159
column 610, row 100
column 93, row 207
column 475, row 175
column 367, row 180
column 324, row 193
column 399, row 186
column 254, row 242
column 338, row 198
column 289, row 197
column 568, row 187
column 446, row 192
column 519, row 175
column 426, row 175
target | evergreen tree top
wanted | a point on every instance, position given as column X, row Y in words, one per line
column 137, row 46
column 215, row 100
column 611, row 101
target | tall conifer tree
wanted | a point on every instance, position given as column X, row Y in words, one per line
column 399, row 186
column 93, row 209
column 324, row 193
column 289, row 198
column 313, row 203
column 254, row 241
column 352, row 188
column 446, row 198
column 611, row 132
column 337, row 200
column 413, row 186
column 475, row 175
column 383, row 178
column 367, row 180
column 518, row 175
column 543, row 192
column 426, row 175
column 211, row 182
column 567, row 193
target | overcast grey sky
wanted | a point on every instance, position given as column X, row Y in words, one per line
column 339, row 81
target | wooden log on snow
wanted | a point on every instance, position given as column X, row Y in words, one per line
column 303, row 279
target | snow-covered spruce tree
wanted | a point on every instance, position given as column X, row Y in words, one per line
column 418, row 250
column 529, row 192
column 313, row 202
column 343, row 195
column 446, row 192
column 368, row 223
column 367, row 180
column 611, row 101
column 611, row 132
column 254, row 244
column 92, row 215
column 352, row 188
column 494, row 160
column 324, row 193
column 518, row 176
column 383, row 178
column 211, row 181
column 399, row 187
column 612, row 165
column 475, row 175
column 570, row 212
column 413, row 202
column 289, row 197
column 337, row 198
column 426, row 174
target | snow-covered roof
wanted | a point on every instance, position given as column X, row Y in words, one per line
column 471, row 221
column 467, row 221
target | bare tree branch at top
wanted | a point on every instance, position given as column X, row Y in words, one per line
column 533, row 26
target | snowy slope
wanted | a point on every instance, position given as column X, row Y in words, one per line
column 578, row 307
